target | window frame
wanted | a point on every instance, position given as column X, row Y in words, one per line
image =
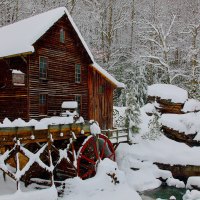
column 46, row 71
column 77, row 73
column 62, row 36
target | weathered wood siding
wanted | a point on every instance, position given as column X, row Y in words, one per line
column 60, row 84
column 13, row 99
column 100, row 103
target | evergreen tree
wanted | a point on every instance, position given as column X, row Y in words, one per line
column 132, row 112
column 154, row 128
column 194, row 89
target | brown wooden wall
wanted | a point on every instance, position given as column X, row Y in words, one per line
column 60, row 84
column 13, row 99
column 100, row 102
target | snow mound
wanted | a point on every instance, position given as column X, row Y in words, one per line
column 191, row 105
column 101, row 186
column 193, row 181
column 187, row 123
column 149, row 108
column 50, row 194
column 42, row 124
column 168, row 92
column 175, row 182
column 192, row 195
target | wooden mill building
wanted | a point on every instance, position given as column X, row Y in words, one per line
column 44, row 61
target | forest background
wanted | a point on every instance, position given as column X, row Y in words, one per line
column 140, row 42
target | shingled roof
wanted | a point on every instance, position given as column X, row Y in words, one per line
column 18, row 38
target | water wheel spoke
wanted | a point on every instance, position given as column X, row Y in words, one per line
column 95, row 149
column 111, row 155
column 86, row 166
column 88, row 159
column 103, row 149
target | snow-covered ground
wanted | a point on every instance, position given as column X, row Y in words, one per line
column 133, row 171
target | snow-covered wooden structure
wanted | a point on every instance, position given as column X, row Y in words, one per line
column 44, row 61
column 53, row 153
column 168, row 98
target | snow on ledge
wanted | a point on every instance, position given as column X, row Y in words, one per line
column 191, row 105
column 187, row 123
column 168, row 92
column 15, row 71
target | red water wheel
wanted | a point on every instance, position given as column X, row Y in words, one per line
column 93, row 149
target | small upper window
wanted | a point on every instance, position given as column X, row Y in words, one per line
column 77, row 73
column 62, row 36
column 43, row 67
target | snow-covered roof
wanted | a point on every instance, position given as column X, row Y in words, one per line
column 19, row 38
column 106, row 75
column 168, row 92
column 191, row 105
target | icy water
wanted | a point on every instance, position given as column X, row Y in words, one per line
column 164, row 192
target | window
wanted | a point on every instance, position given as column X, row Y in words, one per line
column 77, row 73
column 62, row 36
column 43, row 67
column 43, row 104
column 101, row 89
column 78, row 99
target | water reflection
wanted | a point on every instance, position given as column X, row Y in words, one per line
column 164, row 192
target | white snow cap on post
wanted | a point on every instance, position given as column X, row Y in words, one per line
column 168, row 92
column 94, row 127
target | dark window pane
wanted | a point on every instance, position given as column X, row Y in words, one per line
column 43, row 67
column 77, row 73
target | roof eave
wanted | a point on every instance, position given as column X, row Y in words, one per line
column 16, row 55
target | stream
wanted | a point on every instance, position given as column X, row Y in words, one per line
column 164, row 192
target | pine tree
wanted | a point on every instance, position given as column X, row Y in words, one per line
column 132, row 112
column 194, row 89
column 154, row 128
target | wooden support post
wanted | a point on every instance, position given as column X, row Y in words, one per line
column 50, row 159
column 18, row 163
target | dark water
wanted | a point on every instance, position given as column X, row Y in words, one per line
column 165, row 192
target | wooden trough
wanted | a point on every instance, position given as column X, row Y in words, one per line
column 52, row 155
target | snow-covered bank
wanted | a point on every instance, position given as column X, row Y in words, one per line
column 50, row 194
column 102, row 186
column 109, row 183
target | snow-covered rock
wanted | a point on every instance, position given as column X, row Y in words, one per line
column 175, row 182
column 187, row 123
column 193, row 181
column 192, row 195
column 191, row 105
column 168, row 92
